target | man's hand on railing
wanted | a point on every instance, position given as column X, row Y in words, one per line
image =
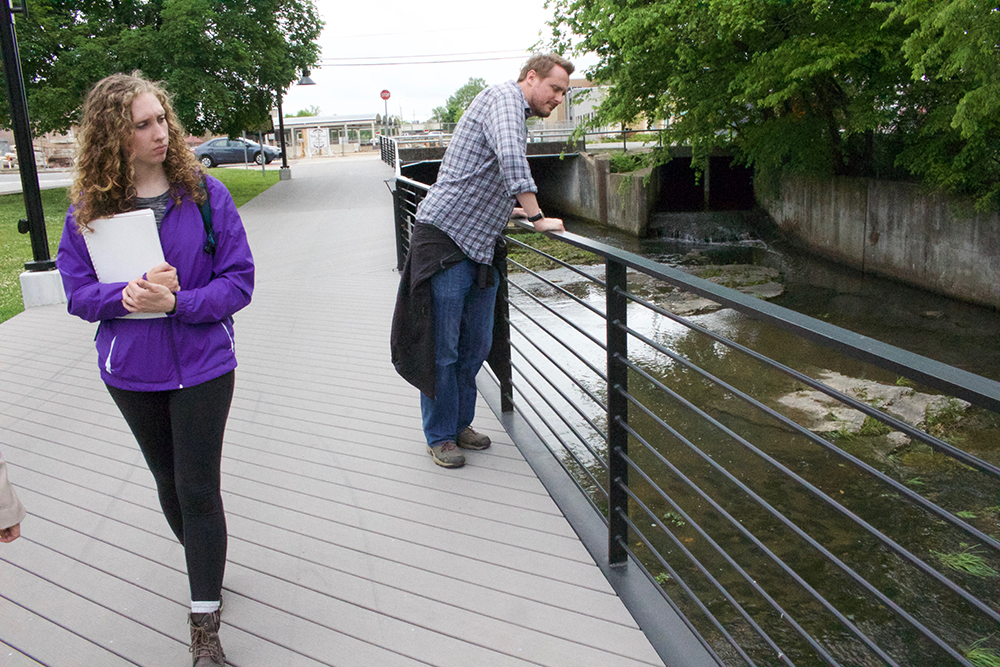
column 543, row 225
column 549, row 225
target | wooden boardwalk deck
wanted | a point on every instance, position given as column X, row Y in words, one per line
column 347, row 545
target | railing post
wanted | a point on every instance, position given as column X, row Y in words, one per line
column 617, row 341
column 499, row 358
column 397, row 213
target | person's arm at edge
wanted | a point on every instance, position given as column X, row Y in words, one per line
column 11, row 510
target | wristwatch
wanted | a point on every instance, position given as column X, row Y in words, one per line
column 536, row 217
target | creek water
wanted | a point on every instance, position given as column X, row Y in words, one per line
column 729, row 472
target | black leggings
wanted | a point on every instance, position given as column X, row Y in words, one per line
column 180, row 434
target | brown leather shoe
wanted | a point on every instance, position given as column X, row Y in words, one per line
column 446, row 454
column 206, row 649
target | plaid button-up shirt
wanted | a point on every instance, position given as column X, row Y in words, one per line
column 484, row 166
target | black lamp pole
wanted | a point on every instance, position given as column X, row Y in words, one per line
column 281, row 126
column 35, row 224
column 304, row 81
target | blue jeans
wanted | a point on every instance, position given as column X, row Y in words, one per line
column 463, row 334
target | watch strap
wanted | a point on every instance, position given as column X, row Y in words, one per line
column 535, row 218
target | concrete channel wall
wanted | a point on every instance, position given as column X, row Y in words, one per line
column 583, row 186
column 894, row 229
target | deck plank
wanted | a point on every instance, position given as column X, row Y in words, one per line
column 347, row 545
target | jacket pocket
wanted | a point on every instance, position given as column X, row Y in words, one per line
column 135, row 352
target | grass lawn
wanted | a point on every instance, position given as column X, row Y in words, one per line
column 15, row 248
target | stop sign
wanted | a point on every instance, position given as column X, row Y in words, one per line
column 385, row 94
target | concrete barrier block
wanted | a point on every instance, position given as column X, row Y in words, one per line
column 42, row 288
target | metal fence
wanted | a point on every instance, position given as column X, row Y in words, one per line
column 862, row 534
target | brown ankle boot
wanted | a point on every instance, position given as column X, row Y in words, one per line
column 205, row 646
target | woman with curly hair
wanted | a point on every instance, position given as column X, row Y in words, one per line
column 172, row 374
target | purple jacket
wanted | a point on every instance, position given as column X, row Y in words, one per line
column 196, row 343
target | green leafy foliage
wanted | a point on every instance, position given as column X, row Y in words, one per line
column 459, row 101
column 309, row 111
column 953, row 46
column 900, row 89
column 223, row 60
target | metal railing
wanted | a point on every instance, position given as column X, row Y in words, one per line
column 777, row 541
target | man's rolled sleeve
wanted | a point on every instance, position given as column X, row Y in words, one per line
column 506, row 132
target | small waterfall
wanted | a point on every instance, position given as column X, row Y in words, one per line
column 725, row 227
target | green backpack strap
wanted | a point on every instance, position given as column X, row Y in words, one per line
column 206, row 218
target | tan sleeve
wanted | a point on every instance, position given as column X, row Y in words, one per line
column 11, row 509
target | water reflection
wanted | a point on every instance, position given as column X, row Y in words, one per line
column 947, row 330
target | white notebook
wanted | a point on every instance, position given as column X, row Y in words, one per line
column 123, row 247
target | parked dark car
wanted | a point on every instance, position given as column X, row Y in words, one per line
column 232, row 151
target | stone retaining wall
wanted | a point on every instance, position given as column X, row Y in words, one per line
column 894, row 229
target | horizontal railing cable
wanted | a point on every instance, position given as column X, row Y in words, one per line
column 569, row 450
column 860, row 406
column 556, row 260
column 736, row 524
column 561, row 290
column 573, row 325
column 802, row 534
column 541, row 437
column 961, row 384
column 911, row 495
column 690, row 593
column 597, row 401
column 576, row 407
column 706, row 573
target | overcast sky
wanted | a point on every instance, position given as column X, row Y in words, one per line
column 495, row 38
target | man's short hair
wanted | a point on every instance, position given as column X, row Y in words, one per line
column 543, row 63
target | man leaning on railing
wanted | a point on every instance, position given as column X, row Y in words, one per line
column 442, row 328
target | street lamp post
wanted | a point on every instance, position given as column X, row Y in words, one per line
column 40, row 282
column 35, row 224
column 285, row 173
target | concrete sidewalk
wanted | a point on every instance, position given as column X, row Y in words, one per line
column 347, row 545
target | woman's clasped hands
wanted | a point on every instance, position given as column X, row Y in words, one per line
column 153, row 293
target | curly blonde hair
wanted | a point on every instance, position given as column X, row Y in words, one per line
column 104, row 180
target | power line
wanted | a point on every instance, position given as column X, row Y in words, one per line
column 426, row 62
column 429, row 55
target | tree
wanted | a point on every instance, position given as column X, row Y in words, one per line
column 791, row 82
column 800, row 86
column 224, row 61
column 438, row 115
column 459, row 101
column 312, row 110
column 954, row 48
